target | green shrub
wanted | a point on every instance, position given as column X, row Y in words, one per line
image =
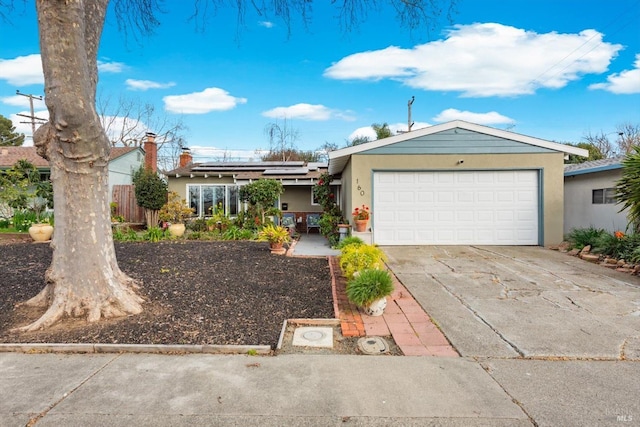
column 581, row 237
column 360, row 257
column 154, row 234
column 368, row 286
column 351, row 240
column 619, row 246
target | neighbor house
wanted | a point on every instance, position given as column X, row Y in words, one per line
column 123, row 161
column 589, row 199
column 209, row 184
column 457, row 183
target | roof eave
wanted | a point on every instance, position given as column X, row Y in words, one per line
column 339, row 158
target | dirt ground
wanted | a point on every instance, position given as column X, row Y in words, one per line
column 196, row 292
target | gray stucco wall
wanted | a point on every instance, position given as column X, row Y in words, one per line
column 580, row 212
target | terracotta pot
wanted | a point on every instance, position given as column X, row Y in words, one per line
column 277, row 248
column 177, row 230
column 361, row 225
column 41, row 232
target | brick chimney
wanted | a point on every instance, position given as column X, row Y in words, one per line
column 151, row 152
column 185, row 157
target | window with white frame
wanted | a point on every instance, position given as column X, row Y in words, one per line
column 603, row 196
column 203, row 198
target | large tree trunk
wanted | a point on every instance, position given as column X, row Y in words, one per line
column 84, row 279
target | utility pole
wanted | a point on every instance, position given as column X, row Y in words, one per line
column 32, row 116
column 409, row 122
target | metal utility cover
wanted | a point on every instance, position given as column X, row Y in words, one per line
column 373, row 345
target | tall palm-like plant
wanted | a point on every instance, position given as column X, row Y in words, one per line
column 628, row 187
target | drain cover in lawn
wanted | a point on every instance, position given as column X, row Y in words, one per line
column 313, row 336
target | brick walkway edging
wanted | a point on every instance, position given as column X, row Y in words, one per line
column 404, row 319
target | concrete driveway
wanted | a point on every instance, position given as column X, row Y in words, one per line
column 523, row 301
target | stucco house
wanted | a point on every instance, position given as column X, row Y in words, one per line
column 209, row 184
column 457, row 183
column 123, row 161
column 589, row 199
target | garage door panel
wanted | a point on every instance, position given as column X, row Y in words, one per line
column 466, row 207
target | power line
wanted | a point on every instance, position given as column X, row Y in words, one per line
column 32, row 116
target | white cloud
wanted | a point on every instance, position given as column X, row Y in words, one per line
column 133, row 84
column 368, row 132
column 210, row 99
column 111, row 67
column 22, row 70
column 481, row 60
column 120, row 129
column 490, row 118
column 204, row 154
column 627, row 82
column 22, row 101
column 266, row 24
column 307, row 112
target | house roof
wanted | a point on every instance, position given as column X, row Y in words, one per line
column 593, row 166
column 338, row 159
column 248, row 171
column 10, row 155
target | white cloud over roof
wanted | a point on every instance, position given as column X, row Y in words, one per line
column 626, row 82
column 309, row 112
column 22, row 70
column 133, row 84
column 490, row 118
column 210, row 99
column 482, row 60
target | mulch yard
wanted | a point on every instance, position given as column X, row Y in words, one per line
column 232, row 293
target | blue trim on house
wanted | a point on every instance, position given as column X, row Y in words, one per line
column 457, row 141
column 593, row 170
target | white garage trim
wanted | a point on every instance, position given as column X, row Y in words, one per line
column 482, row 207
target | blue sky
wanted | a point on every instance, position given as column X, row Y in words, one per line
column 552, row 69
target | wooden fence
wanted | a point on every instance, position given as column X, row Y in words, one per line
column 127, row 206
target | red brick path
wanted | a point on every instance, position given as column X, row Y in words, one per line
column 403, row 319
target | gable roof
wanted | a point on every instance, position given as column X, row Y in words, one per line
column 338, row 159
column 594, row 166
column 10, row 155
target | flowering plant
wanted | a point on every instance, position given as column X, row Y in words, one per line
column 618, row 235
column 361, row 213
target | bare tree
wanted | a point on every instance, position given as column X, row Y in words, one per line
column 282, row 141
column 84, row 279
column 628, row 137
column 602, row 143
column 127, row 121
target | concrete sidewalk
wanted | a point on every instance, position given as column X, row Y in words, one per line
column 290, row 390
column 307, row 390
column 313, row 245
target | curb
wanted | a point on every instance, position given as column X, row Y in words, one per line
column 135, row 348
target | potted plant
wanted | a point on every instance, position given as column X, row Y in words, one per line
column 276, row 235
column 369, row 290
column 360, row 218
column 174, row 212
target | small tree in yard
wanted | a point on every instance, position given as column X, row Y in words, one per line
column 151, row 194
column 331, row 213
column 261, row 195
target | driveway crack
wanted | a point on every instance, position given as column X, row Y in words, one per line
column 42, row 414
column 478, row 316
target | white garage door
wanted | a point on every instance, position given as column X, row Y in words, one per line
column 456, row 208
